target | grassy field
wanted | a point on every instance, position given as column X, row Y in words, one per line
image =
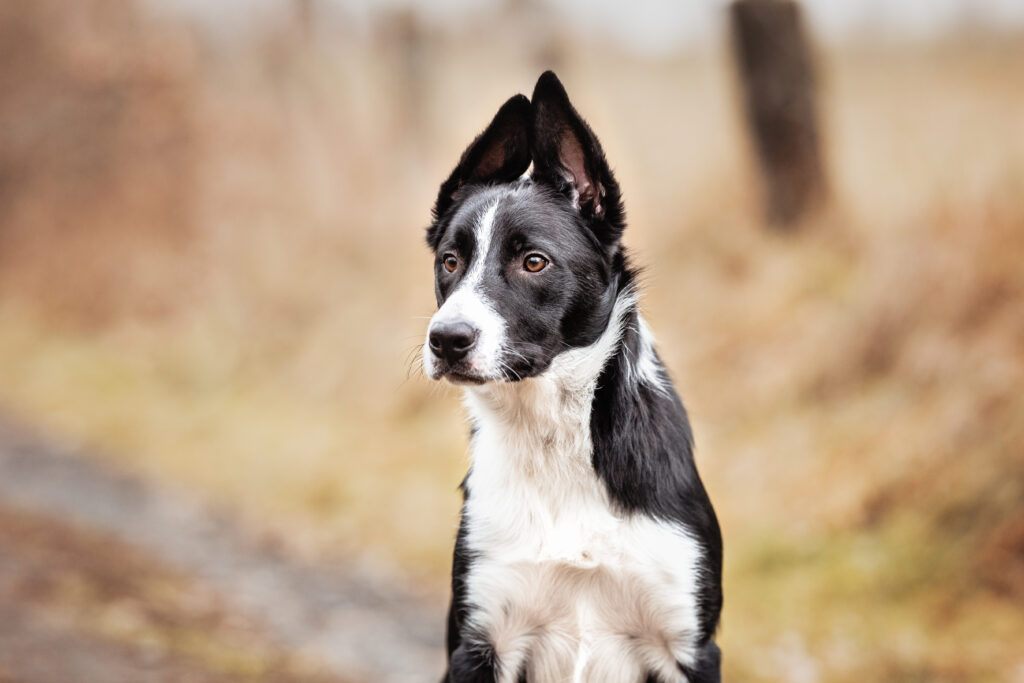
column 224, row 287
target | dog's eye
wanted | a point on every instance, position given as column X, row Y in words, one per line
column 450, row 263
column 535, row 263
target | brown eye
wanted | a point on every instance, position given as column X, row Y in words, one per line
column 535, row 263
column 450, row 263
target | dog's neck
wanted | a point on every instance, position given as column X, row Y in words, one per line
column 543, row 422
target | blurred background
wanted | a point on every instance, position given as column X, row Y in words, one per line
column 218, row 462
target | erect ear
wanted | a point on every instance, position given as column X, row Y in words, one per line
column 567, row 153
column 500, row 154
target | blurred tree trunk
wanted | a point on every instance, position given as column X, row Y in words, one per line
column 776, row 72
column 305, row 18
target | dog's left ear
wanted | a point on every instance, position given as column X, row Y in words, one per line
column 500, row 154
column 567, row 154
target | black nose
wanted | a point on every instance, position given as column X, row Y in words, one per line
column 452, row 341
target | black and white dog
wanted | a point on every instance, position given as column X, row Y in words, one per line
column 588, row 549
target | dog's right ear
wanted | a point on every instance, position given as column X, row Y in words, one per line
column 500, row 154
column 567, row 154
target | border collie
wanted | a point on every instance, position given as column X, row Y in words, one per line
column 588, row 550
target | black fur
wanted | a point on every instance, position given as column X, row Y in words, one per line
column 559, row 135
column 570, row 208
column 500, row 154
column 643, row 452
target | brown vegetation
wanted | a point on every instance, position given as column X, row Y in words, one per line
column 97, row 170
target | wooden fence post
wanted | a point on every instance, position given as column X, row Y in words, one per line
column 776, row 72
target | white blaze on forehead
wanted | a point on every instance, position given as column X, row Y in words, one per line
column 483, row 232
column 468, row 304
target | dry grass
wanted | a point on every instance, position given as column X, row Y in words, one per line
column 855, row 388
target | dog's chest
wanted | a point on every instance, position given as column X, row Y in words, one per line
column 566, row 587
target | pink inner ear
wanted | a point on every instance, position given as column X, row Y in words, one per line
column 570, row 153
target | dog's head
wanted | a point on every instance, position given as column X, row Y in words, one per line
column 525, row 267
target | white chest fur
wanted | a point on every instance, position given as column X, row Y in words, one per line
column 565, row 586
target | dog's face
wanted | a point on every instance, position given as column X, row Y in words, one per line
column 524, row 267
column 518, row 279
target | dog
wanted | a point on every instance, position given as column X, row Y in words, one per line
column 588, row 549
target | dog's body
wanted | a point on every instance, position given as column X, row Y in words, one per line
column 588, row 549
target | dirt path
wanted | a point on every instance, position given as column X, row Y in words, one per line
column 76, row 605
column 141, row 582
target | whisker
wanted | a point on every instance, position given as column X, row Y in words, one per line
column 510, row 350
column 414, row 368
column 509, row 369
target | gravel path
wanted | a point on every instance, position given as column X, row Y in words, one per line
column 355, row 625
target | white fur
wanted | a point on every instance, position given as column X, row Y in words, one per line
column 646, row 367
column 561, row 579
column 469, row 304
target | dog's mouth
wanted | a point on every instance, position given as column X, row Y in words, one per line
column 456, row 377
column 473, row 372
column 459, row 374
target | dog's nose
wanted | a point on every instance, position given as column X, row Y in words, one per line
column 452, row 341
